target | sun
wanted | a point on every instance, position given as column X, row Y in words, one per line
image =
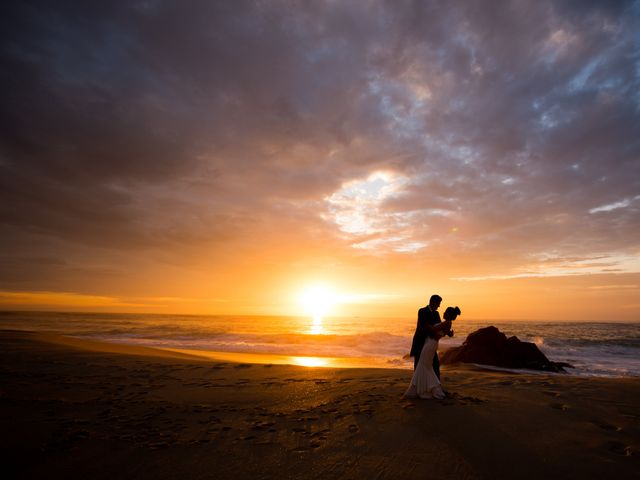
column 317, row 300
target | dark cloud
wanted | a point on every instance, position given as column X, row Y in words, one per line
column 172, row 127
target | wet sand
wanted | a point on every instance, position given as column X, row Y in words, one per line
column 77, row 409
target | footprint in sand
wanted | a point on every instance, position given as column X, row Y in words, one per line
column 353, row 428
column 312, row 446
column 157, row 445
column 262, row 425
column 619, row 448
column 606, row 426
column 300, row 449
column 560, row 406
column 551, row 393
column 464, row 400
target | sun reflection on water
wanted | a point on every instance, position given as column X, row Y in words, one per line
column 316, row 327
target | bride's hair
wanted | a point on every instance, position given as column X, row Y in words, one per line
column 451, row 313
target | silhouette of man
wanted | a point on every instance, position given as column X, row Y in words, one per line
column 427, row 317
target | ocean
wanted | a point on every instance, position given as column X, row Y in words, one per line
column 594, row 348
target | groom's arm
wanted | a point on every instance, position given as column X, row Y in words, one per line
column 443, row 329
column 425, row 326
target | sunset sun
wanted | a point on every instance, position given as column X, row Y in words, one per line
column 317, row 300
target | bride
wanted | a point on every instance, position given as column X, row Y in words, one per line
column 425, row 383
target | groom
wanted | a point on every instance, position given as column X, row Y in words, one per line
column 427, row 317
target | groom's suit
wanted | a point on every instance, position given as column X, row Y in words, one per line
column 425, row 317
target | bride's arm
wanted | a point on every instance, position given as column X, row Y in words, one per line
column 443, row 328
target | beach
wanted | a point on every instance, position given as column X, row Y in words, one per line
column 74, row 408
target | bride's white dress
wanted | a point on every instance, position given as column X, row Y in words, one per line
column 425, row 383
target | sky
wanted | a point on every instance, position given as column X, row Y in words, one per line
column 225, row 157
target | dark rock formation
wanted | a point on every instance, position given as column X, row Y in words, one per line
column 489, row 346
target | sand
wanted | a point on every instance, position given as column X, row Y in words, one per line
column 77, row 409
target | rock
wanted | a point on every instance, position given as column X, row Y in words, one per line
column 489, row 346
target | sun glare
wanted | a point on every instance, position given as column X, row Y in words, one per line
column 317, row 300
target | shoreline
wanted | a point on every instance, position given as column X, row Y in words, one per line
column 316, row 361
column 78, row 409
column 593, row 349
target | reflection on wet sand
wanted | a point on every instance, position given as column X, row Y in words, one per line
column 312, row 361
column 274, row 359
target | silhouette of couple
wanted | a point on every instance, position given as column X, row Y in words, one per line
column 425, row 382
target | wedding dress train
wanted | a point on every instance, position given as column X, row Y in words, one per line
column 425, row 383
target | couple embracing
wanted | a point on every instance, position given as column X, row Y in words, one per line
column 425, row 382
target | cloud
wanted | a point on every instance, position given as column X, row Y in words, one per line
column 559, row 267
column 160, row 131
column 614, row 206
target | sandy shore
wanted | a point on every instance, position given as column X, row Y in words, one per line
column 78, row 409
